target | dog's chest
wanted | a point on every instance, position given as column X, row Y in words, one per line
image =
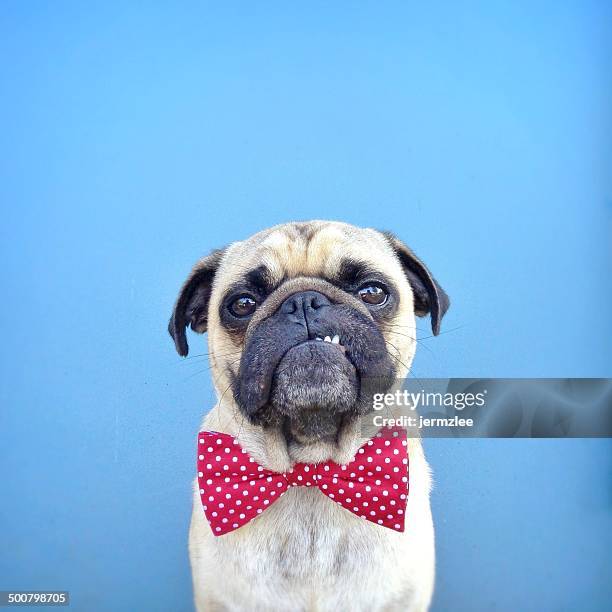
column 305, row 536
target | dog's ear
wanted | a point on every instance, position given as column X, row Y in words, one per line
column 191, row 306
column 429, row 297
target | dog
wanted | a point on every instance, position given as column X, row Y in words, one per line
column 297, row 317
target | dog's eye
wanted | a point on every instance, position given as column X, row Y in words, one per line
column 374, row 295
column 243, row 306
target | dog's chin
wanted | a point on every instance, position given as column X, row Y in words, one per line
column 315, row 390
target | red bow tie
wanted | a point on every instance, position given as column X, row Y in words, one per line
column 235, row 489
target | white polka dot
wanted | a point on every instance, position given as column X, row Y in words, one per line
column 217, row 528
column 397, row 526
column 200, row 474
column 201, row 440
column 201, row 457
column 201, row 491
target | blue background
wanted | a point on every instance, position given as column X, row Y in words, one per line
column 138, row 136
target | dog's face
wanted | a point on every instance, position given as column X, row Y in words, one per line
column 302, row 318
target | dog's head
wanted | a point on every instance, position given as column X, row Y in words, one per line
column 301, row 315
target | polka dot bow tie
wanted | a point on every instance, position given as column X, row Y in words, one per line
column 234, row 489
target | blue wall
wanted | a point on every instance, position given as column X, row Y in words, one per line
column 136, row 139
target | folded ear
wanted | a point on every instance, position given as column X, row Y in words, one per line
column 191, row 306
column 429, row 297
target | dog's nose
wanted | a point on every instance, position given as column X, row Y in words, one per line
column 304, row 307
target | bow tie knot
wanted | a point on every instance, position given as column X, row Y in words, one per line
column 302, row 475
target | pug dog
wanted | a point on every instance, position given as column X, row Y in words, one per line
column 298, row 316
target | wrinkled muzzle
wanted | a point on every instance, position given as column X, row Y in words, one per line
column 305, row 358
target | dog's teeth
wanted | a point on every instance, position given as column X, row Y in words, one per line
column 327, row 339
column 336, row 339
column 318, row 338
